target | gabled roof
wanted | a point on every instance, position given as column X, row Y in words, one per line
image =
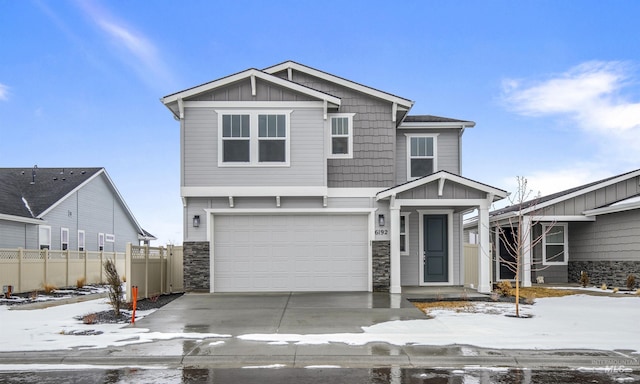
column 28, row 194
column 444, row 175
column 250, row 73
column 400, row 101
column 554, row 198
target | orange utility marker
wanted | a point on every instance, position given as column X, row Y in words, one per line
column 134, row 292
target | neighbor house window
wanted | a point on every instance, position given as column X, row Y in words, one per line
column 421, row 155
column 101, row 242
column 44, row 236
column 555, row 244
column 235, row 138
column 253, row 138
column 272, row 138
column 109, row 238
column 64, row 238
column 404, row 234
column 341, row 135
column 81, row 240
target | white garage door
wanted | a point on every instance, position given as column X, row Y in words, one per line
column 290, row 253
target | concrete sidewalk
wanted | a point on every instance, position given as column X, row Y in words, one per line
column 302, row 313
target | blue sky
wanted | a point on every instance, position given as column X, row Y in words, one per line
column 553, row 86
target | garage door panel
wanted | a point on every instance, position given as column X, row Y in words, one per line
column 291, row 253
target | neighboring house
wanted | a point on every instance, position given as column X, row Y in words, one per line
column 593, row 228
column 294, row 179
column 78, row 209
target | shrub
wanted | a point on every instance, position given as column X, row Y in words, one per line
column 91, row 318
column 584, row 279
column 530, row 299
column 495, row 295
column 616, row 289
column 81, row 282
column 124, row 278
column 48, row 288
column 115, row 286
column 603, row 286
column 504, row 288
column 631, row 282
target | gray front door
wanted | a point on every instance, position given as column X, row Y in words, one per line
column 436, row 254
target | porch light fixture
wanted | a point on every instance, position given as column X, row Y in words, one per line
column 381, row 220
column 196, row 221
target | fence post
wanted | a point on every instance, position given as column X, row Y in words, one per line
column 67, row 270
column 146, row 271
column 84, row 255
column 127, row 271
column 46, row 265
column 20, row 256
column 101, row 267
column 170, row 267
column 163, row 255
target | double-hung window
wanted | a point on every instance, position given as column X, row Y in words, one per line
column 253, row 138
column 341, row 135
column 421, row 155
column 80, row 240
column 100, row 242
column 64, row 239
column 555, row 244
column 44, row 236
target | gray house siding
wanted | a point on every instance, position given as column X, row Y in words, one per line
column 447, row 147
column 450, row 191
column 18, row 235
column 614, row 236
column 307, row 145
column 595, row 199
column 373, row 141
column 241, row 91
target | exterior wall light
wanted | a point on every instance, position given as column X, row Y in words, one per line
column 381, row 220
column 196, row 221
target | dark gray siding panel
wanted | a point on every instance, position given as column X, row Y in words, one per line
column 307, row 163
column 615, row 236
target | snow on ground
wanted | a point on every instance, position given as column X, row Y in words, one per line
column 570, row 322
column 43, row 329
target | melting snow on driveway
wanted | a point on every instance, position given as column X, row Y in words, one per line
column 43, row 329
column 570, row 322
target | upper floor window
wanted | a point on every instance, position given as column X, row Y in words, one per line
column 253, row 138
column 555, row 244
column 421, row 155
column 341, row 135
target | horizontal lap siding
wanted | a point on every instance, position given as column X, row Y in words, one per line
column 18, row 235
column 201, row 153
column 615, row 236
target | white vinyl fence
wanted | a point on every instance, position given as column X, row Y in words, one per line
column 154, row 270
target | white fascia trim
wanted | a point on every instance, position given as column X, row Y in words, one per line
column 498, row 193
column 21, row 219
column 583, row 191
column 290, row 211
column 417, row 125
column 248, row 74
column 252, row 191
column 558, row 218
column 612, row 209
column 406, row 103
column 440, row 202
column 254, row 104
column 353, row 192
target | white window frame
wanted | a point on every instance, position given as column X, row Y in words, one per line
column 109, row 238
column 434, row 137
column 254, row 139
column 349, row 135
column 64, row 234
column 47, row 229
column 406, row 251
column 81, row 240
column 565, row 244
column 100, row 242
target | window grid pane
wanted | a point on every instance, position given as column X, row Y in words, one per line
column 235, row 126
column 272, row 126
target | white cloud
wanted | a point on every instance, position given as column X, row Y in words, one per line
column 4, row 92
column 589, row 94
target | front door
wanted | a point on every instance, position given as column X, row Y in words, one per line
column 436, row 253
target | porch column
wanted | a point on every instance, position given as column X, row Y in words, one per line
column 526, row 251
column 484, row 249
column 394, row 244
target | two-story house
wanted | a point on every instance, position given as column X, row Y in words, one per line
column 294, row 179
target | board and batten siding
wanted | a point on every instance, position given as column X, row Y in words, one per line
column 241, row 91
column 595, row 199
column 307, row 146
column 18, row 235
column 447, row 147
column 612, row 237
column 372, row 164
column 451, row 190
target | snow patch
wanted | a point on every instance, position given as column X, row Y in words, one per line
column 69, row 367
column 271, row 366
column 322, row 366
